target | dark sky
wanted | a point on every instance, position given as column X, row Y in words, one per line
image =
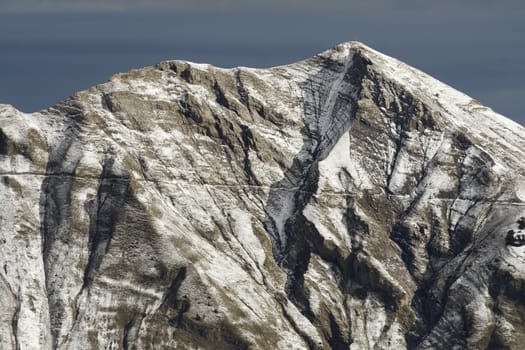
column 50, row 49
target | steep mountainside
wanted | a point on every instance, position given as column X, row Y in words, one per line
column 347, row 201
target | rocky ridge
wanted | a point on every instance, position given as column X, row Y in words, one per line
column 347, row 201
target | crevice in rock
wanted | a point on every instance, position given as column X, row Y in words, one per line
column 306, row 338
column 107, row 103
column 105, row 208
column 170, row 296
column 220, row 97
column 185, row 74
column 14, row 321
column 3, row 143
column 293, row 237
column 241, row 90
column 127, row 329
column 248, row 142
column 172, row 302
column 337, row 340
column 55, row 201
column 399, row 146
column 222, row 134
column 187, row 109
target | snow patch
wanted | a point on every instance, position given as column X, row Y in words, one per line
column 242, row 228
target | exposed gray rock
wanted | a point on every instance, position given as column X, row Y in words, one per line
column 347, row 201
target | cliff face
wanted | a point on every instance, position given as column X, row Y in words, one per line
column 344, row 202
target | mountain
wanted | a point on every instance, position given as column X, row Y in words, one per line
column 347, row 201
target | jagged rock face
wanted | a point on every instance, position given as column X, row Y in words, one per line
column 344, row 202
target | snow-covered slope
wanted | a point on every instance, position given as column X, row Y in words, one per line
column 347, row 201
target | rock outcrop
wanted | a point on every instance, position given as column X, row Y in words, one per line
column 347, row 201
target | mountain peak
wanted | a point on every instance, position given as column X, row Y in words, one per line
column 347, row 201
